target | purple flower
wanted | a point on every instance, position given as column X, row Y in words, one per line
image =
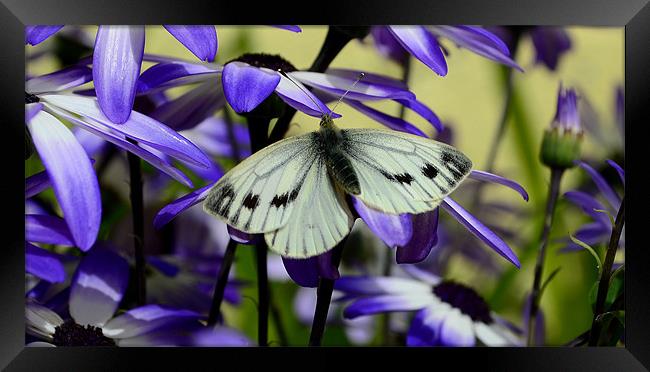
column 252, row 78
column 597, row 231
column 396, row 42
column 567, row 116
column 76, row 188
column 447, row 313
column 96, row 291
column 550, row 42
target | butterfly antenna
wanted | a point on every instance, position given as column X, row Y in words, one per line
column 361, row 76
column 302, row 88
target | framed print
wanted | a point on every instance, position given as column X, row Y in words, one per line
column 444, row 182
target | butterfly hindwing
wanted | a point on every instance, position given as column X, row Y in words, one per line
column 403, row 173
column 320, row 220
column 258, row 195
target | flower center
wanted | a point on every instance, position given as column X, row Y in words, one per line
column 31, row 98
column 73, row 334
column 464, row 299
column 270, row 61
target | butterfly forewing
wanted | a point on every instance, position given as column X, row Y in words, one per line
column 320, row 218
column 259, row 194
column 403, row 173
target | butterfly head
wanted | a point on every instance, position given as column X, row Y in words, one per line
column 326, row 121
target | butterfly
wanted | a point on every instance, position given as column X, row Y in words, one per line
column 294, row 191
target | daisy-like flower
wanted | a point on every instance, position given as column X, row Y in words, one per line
column 600, row 229
column 47, row 103
column 397, row 42
column 96, row 291
column 117, row 59
column 447, row 313
column 248, row 81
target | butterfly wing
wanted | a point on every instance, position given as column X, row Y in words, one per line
column 403, row 173
column 258, row 195
column 320, row 220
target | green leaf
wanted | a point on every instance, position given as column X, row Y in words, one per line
column 589, row 249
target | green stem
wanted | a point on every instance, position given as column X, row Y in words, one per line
column 606, row 274
column 137, row 213
column 323, row 299
column 222, row 280
column 553, row 193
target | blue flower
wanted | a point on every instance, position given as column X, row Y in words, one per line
column 550, row 42
column 397, row 42
column 47, row 103
column 252, row 78
column 95, row 293
column 447, row 313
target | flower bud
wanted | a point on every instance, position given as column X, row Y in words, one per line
column 561, row 143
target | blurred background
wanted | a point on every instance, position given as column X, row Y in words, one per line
column 470, row 101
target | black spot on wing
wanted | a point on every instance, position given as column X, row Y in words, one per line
column 429, row 171
column 399, row 178
column 220, row 201
column 456, row 165
column 251, row 201
column 286, row 198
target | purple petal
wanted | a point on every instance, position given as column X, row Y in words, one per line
column 385, row 304
column 326, row 268
column 479, row 41
column 44, row 264
column 116, row 67
column 66, row 78
column 368, row 77
column 394, row 230
column 457, row 330
column 296, row 95
column 389, row 121
column 619, row 170
column 121, row 141
column 425, row 237
column 171, row 210
column 212, row 136
column 481, row 231
column 363, row 90
column 98, row 287
column 387, row 45
column 422, row 45
column 75, row 187
column 200, row 40
column 37, row 34
column 591, row 233
column 221, row 336
column 292, row 28
column 245, row 86
column 242, row 237
column 36, row 183
column 40, row 228
column 32, row 109
column 378, row 285
column 94, row 145
column 490, row 177
column 145, row 319
column 607, row 191
column 191, row 108
column 550, row 43
column 304, row 272
column 589, row 205
column 138, row 127
column 176, row 73
column 424, row 111
column 425, row 327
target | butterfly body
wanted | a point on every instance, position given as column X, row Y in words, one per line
column 293, row 191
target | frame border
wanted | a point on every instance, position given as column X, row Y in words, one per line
column 633, row 14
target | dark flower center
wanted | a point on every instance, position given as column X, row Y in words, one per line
column 464, row 299
column 73, row 334
column 30, row 98
column 270, row 61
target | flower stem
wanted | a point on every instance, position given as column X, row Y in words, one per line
column 323, row 299
column 334, row 42
column 606, row 274
column 222, row 280
column 553, row 192
column 137, row 213
column 257, row 129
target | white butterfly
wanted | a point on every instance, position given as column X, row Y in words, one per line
column 293, row 191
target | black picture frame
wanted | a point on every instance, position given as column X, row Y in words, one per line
column 634, row 15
